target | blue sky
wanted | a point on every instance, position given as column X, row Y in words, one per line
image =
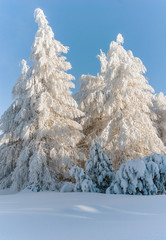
column 86, row 26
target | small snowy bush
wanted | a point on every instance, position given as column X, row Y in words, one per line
column 99, row 167
column 83, row 182
column 156, row 166
column 129, row 177
column 67, row 187
column 98, row 172
column 141, row 177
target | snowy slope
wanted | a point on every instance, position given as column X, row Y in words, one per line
column 77, row 216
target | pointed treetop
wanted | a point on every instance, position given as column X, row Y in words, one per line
column 40, row 18
column 119, row 39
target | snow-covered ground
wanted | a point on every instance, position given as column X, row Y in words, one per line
column 77, row 216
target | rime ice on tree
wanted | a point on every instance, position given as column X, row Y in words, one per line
column 90, row 100
column 83, row 181
column 130, row 132
column 124, row 108
column 38, row 145
column 98, row 173
column 12, row 126
column 99, row 168
column 145, row 176
column 159, row 106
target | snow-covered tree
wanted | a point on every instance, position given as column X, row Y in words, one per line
column 129, row 178
column 159, row 107
column 128, row 106
column 99, row 167
column 11, row 127
column 130, row 131
column 98, row 173
column 83, row 183
column 90, row 84
column 90, row 101
column 120, row 114
column 133, row 178
column 156, row 167
column 39, row 140
column 145, row 176
column 19, row 88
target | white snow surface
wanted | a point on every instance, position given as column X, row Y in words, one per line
column 81, row 216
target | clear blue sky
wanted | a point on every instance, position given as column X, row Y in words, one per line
column 86, row 26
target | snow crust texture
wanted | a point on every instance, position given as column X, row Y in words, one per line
column 51, row 215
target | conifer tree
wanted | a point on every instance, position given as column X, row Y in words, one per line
column 130, row 132
column 121, row 115
column 98, row 173
column 37, row 148
column 83, row 183
column 90, row 99
column 11, row 126
column 159, row 107
column 145, row 176
column 99, row 167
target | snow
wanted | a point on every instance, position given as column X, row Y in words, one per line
column 77, row 216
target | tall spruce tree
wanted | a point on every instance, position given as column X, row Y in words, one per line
column 130, row 131
column 126, row 127
column 37, row 148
